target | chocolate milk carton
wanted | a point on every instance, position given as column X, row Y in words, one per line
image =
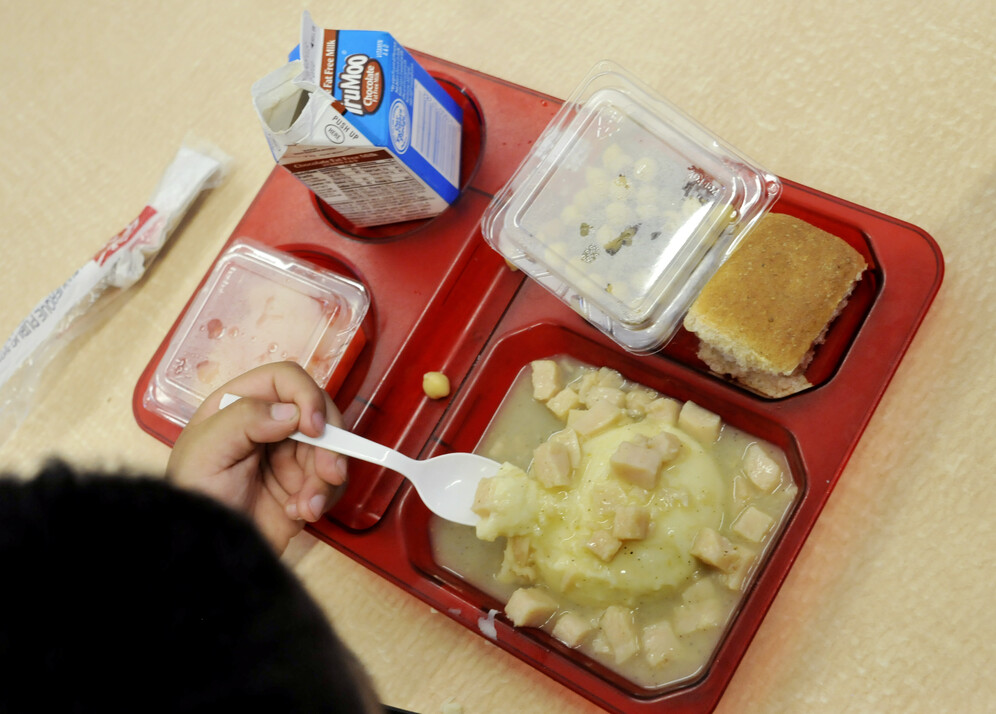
column 364, row 126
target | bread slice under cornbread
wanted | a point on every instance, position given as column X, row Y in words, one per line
column 759, row 317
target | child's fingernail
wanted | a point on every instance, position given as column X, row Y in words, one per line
column 292, row 512
column 317, row 504
column 319, row 421
column 283, row 412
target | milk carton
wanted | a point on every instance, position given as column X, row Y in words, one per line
column 363, row 125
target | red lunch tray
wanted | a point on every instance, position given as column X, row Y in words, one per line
column 443, row 300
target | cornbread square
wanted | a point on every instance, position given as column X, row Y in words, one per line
column 759, row 317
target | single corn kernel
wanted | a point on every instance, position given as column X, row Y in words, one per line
column 436, row 385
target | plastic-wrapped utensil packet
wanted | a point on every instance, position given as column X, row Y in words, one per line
column 58, row 319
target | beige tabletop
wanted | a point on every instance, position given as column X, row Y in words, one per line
column 891, row 105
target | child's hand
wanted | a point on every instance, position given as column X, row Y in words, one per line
column 241, row 455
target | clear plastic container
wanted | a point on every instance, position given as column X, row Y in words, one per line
column 258, row 305
column 626, row 207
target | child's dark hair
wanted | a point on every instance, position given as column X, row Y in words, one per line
column 123, row 593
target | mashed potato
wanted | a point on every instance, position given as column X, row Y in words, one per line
column 567, row 526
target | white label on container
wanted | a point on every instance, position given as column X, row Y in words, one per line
column 436, row 134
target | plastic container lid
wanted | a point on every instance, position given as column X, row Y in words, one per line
column 625, row 208
column 258, row 305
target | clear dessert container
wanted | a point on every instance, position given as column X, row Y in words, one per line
column 625, row 208
column 258, row 305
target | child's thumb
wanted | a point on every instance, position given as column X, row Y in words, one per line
column 264, row 422
column 282, row 412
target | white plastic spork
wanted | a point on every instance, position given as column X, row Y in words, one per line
column 446, row 483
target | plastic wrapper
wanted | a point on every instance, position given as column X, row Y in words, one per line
column 70, row 309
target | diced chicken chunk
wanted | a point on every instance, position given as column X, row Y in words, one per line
column 562, row 402
column 620, row 632
column 741, row 569
column 552, row 464
column 761, row 469
column 638, row 400
column 516, row 564
column 698, row 615
column 572, row 629
column 712, row 548
column 587, row 381
column 615, row 397
column 603, row 544
column 588, row 422
column 604, row 377
column 546, row 379
column 664, row 410
column 487, row 497
column 631, row 523
column 530, row 607
column 495, row 493
column 610, row 378
column 506, row 503
column 699, row 423
column 599, row 644
column 569, row 438
column 660, row 643
column 637, row 464
column 666, row 444
column 753, row 524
